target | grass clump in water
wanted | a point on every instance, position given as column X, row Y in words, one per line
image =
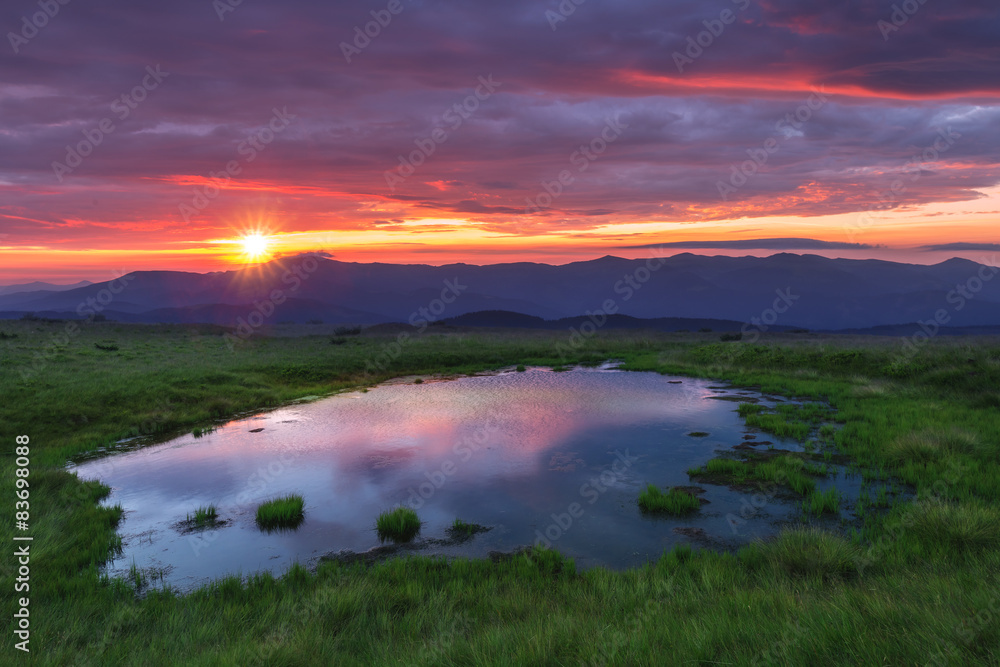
column 203, row 516
column 737, row 470
column 462, row 530
column 400, row 525
column 286, row 512
column 698, row 434
column 788, row 471
column 824, row 502
column 673, row 502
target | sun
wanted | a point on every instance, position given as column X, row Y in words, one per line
column 255, row 246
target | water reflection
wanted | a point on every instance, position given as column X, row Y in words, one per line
column 520, row 452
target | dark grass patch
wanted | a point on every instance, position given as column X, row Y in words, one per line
column 762, row 468
column 698, row 434
column 204, row 516
column 823, row 502
column 805, row 552
column 674, row 502
column 461, row 530
column 967, row 527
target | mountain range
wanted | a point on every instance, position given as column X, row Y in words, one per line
column 782, row 291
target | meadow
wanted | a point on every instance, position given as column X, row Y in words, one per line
column 914, row 582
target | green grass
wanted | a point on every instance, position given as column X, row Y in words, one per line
column 824, row 502
column 913, row 584
column 698, row 434
column 284, row 512
column 955, row 527
column 674, row 502
column 788, row 471
column 935, row 445
column 462, row 530
column 730, row 467
column 804, row 552
column 203, row 516
column 400, row 525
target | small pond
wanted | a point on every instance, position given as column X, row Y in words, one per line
column 536, row 455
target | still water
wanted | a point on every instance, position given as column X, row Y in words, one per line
column 558, row 457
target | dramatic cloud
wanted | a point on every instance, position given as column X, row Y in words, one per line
column 150, row 124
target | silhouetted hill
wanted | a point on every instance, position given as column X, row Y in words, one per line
column 785, row 290
column 40, row 286
column 506, row 320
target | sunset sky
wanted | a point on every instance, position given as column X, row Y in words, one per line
column 116, row 120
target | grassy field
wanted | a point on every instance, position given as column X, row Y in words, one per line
column 917, row 584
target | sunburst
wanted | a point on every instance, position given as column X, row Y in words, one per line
column 255, row 246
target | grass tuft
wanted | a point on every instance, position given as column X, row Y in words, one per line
column 461, row 530
column 203, row 516
column 788, row 471
column 969, row 526
column 400, row 525
column 823, row 502
column 674, row 502
column 286, row 512
column 807, row 552
column 933, row 445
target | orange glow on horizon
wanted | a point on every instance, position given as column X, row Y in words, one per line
column 258, row 238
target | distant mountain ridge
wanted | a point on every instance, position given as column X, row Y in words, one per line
column 38, row 286
column 781, row 291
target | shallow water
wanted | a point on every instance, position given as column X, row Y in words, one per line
column 539, row 455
